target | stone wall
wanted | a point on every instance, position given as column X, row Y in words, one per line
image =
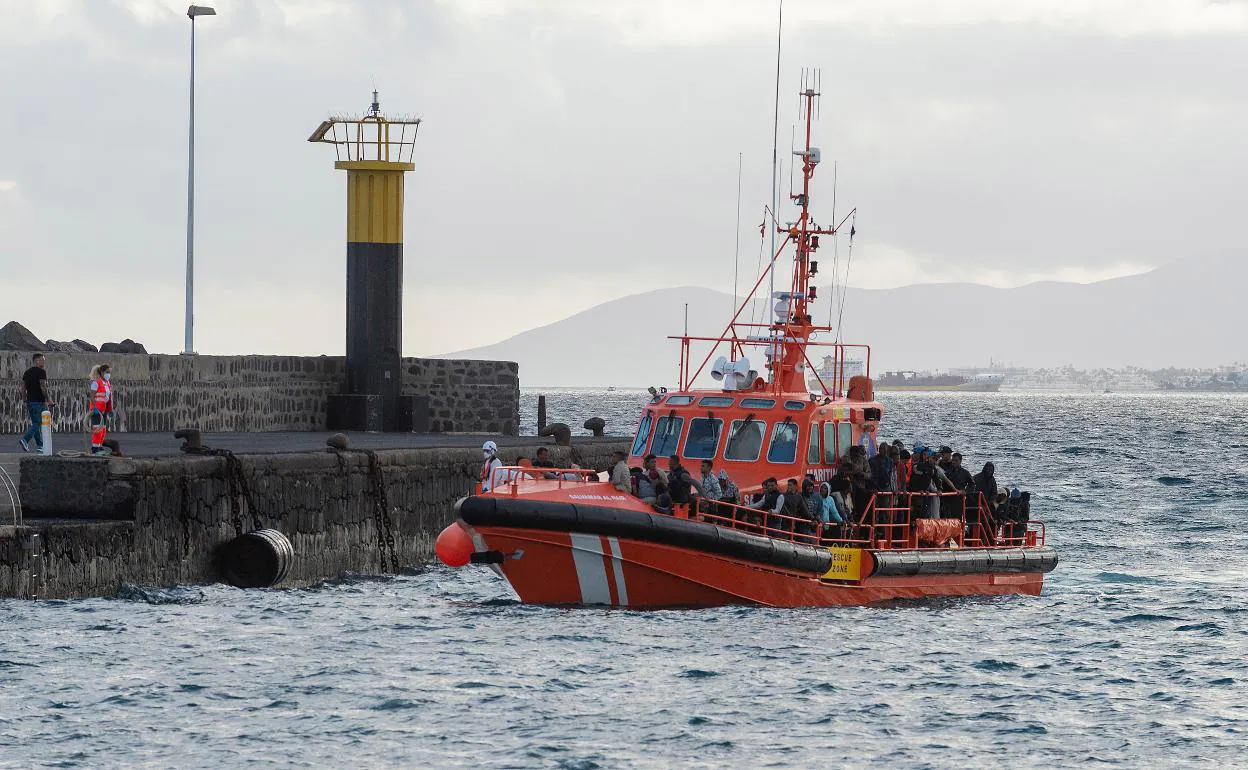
column 256, row 393
column 158, row 522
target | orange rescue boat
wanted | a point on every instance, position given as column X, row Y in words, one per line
column 570, row 537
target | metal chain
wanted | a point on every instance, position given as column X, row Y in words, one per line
column 236, row 478
column 381, row 514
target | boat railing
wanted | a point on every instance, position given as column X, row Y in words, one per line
column 758, row 522
column 511, row 478
column 890, row 520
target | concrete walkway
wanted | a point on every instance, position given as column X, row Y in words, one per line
column 164, row 444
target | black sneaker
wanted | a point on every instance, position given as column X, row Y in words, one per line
column 25, row 446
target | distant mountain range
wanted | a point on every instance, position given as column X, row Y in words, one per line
column 1189, row 313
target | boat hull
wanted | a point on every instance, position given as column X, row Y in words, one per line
column 572, row 568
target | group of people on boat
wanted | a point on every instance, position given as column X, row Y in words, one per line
column 947, row 489
column 674, row 486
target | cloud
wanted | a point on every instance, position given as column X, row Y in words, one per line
column 574, row 151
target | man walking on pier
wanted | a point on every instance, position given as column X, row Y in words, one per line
column 35, row 395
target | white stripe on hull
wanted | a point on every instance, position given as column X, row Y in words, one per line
column 591, row 572
column 618, row 567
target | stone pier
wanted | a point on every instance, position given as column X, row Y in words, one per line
column 256, row 393
column 95, row 524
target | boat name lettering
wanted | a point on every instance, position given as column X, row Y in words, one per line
column 598, row 497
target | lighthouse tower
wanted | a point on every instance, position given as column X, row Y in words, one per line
column 376, row 152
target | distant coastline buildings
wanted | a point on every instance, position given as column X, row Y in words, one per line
column 1223, row 379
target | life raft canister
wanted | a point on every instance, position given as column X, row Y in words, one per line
column 860, row 388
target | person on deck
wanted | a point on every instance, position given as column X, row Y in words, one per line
column 542, row 460
column 962, row 481
column 904, row 465
column 620, row 477
column 769, row 501
column 729, row 492
column 986, row 484
column 490, row 451
column 923, row 479
column 662, row 498
column 793, row 506
column 651, row 470
column 813, row 501
column 831, row 511
column 680, row 482
column 711, row 489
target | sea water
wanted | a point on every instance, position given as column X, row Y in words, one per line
column 1136, row 654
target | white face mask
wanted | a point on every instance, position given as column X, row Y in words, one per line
column 108, row 375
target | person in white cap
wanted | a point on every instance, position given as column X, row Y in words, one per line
column 490, row 450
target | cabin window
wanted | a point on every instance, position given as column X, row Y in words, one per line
column 643, row 433
column 812, row 451
column 829, row 443
column 844, row 438
column 667, row 436
column 679, row 400
column 757, row 403
column 796, row 405
column 745, row 440
column 703, row 438
column 783, row 443
column 716, row 401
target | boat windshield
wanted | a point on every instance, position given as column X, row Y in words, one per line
column 643, row 434
column 667, row 435
column 837, row 436
column 812, row 451
column 703, row 438
column 783, row 443
column 745, row 441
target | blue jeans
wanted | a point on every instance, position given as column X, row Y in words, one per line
column 35, row 431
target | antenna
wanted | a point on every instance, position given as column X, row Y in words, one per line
column 792, row 148
column 736, row 249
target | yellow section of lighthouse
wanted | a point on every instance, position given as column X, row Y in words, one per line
column 374, row 200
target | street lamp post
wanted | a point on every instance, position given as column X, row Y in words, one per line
column 188, row 347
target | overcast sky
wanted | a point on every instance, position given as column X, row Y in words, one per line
column 574, row 151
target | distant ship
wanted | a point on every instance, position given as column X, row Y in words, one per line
column 984, row 382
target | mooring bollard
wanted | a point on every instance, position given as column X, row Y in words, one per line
column 45, row 428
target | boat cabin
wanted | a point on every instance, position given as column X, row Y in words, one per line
column 754, row 435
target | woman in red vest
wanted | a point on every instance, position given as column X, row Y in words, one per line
column 101, row 390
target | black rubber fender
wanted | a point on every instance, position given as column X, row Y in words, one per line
column 258, row 559
column 965, row 562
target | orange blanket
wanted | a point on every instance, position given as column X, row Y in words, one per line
column 937, row 532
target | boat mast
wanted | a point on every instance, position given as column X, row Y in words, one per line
column 775, row 190
column 795, row 328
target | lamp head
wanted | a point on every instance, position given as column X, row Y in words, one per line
column 200, row 10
